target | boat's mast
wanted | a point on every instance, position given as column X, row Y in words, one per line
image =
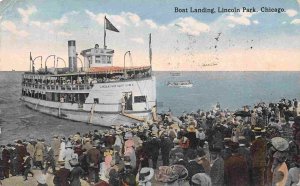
column 30, row 59
column 150, row 53
column 104, row 33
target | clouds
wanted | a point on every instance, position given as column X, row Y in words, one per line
column 291, row 12
column 124, row 19
column 295, row 22
column 25, row 13
column 191, row 26
column 138, row 40
column 242, row 18
column 12, row 28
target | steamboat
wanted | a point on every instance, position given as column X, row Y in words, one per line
column 98, row 93
column 180, row 84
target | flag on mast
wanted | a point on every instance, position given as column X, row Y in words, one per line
column 110, row 26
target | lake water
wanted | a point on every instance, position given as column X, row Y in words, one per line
column 231, row 89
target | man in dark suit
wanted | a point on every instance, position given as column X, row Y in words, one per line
column 49, row 160
column 93, row 159
column 61, row 176
column 235, row 168
column 5, row 158
column 21, row 151
column 27, row 166
column 258, row 152
column 193, row 166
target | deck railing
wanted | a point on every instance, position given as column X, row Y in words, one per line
column 58, row 87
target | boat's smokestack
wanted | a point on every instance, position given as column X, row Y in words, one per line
column 72, row 56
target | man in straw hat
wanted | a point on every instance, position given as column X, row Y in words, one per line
column 258, row 152
column 191, row 135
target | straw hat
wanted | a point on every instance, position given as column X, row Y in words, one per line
column 191, row 128
column 145, row 174
column 280, row 143
column 258, row 129
column 108, row 152
column 119, row 131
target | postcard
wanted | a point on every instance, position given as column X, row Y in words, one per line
column 96, row 74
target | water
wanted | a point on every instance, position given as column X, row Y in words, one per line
column 231, row 89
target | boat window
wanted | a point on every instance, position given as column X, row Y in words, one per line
column 108, row 59
column 96, row 100
column 97, row 59
column 139, row 99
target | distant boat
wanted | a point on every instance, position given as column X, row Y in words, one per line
column 175, row 73
column 180, row 84
column 13, row 70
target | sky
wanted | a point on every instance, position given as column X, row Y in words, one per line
column 240, row 41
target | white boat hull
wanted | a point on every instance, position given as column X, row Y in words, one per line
column 97, row 118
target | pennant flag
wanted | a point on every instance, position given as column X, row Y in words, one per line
column 110, row 26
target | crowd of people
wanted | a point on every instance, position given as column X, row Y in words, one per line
column 258, row 146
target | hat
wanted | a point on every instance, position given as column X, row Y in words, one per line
column 128, row 135
column 108, row 152
column 201, row 179
column 180, row 171
column 280, row 143
column 41, row 179
column 165, row 174
column 118, row 131
column 258, row 130
column 145, row 174
column 191, row 128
